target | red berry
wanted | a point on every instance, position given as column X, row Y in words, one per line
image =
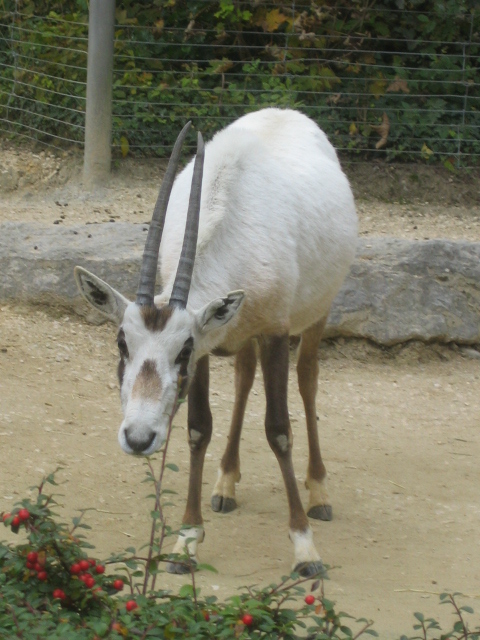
column 59, row 594
column 32, row 556
column 131, row 605
column 75, row 568
column 92, row 562
column 5, row 517
column 37, row 566
column 118, row 585
column 100, row 568
column 16, row 521
column 247, row 620
column 24, row 514
column 206, row 615
column 30, row 565
column 84, row 565
column 89, row 581
column 42, row 575
column 309, row 599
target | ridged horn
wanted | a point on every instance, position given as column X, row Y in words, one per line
column 148, row 272
column 183, row 279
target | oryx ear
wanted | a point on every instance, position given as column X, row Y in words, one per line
column 220, row 311
column 101, row 295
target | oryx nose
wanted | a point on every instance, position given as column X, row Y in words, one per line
column 139, row 442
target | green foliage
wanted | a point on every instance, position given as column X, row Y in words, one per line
column 64, row 607
column 50, row 587
column 63, row 604
column 44, row 74
column 409, row 65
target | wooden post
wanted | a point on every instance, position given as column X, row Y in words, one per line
column 98, row 118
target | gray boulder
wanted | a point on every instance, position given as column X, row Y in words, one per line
column 400, row 290
column 397, row 290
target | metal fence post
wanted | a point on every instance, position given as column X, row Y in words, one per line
column 98, row 120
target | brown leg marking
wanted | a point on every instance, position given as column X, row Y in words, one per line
column 274, row 354
column 274, row 358
column 307, row 372
column 223, row 496
column 199, row 434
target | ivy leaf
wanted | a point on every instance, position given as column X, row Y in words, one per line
column 426, row 152
column 124, row 146
column 272, row 20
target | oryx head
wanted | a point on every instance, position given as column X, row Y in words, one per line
column 158, row 345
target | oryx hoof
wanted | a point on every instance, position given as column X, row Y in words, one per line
column 320, row 512
column 180, row 568
column 223, row 505
column 310, row 569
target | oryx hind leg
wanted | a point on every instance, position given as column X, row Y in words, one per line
column 319, row 506
column 199, row 436
column 223, row 496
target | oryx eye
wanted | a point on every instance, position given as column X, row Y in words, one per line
column 186, row 352
column 122, row 344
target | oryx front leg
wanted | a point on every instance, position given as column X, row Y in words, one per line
column 199, row 435
column 319, row 506
column 223, row 496
column 274, row 358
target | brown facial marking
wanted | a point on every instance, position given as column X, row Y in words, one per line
column 147, row 384
column 121, row 371
column 122, row 344
column 183, row 359
column 156, row 318
column 123, row 349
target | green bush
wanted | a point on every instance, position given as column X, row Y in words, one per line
column 52, row 587
column 398, row 79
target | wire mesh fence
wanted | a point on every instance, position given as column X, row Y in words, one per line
column 376, row 96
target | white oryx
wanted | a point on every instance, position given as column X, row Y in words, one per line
column 251, row 255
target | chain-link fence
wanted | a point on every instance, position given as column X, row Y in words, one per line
column 375, row 96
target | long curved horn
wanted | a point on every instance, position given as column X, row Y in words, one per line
column 183, row 279
column 148, row 273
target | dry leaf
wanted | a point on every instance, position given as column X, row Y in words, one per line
column 189, row 30
column 124, row 146
column 426, row 152
column 158, row 27
column 369, row 58
column 398, row 85
column 306, row 36
column 383, row 129
column 334, row 98
column 272, row 20
column 221, row 66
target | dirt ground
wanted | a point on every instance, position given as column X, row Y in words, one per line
column 399, row 428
